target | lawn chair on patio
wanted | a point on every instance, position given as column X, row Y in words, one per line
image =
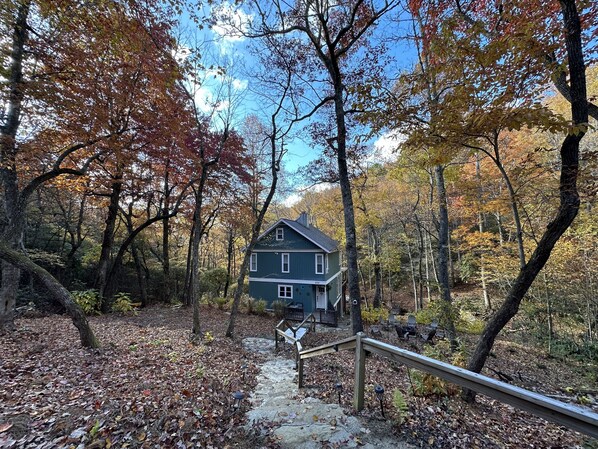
column 429, row 331
column 409, row 329
column 376, row 331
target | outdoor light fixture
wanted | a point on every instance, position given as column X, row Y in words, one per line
column 379, row 390
column 238, row 396
column 339, row 389
column 244, row 370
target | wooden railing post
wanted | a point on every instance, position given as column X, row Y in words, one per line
column 300, row 373
column 275, row 340
column 359, row 389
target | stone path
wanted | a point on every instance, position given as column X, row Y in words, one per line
column 303, row 423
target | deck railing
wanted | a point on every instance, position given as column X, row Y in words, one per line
column 280, row 333
column 574, row 417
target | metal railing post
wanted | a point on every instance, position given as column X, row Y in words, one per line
column 359, row 391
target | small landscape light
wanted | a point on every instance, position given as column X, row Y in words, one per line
column 339, row 389
column 244, row 370
column 238, row 396
column 379, row 390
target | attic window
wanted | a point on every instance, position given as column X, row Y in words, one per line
column 279, row 233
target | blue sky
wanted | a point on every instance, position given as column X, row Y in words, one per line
column 225, row 47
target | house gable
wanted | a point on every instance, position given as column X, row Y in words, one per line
column 292, row 240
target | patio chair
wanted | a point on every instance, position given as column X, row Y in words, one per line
column 429, row 331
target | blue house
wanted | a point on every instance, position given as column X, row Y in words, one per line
column 297, row 263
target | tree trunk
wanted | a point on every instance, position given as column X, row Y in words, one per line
column 108, row 239
column 377, row 301
column 194, row 289
column 569, row 197
column 167, row 283
column 229, row 260
column 443, row 255
column 15, row 213
column 416, row 304
column 56, row 290
column 8, row 296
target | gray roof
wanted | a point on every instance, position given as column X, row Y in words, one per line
column 313, row 234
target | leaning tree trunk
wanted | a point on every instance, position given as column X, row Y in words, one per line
column 569, row 197
column 56, row 290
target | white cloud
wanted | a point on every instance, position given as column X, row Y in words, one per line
column 239, row 84
column 386, row 148
column 231, row 22
column 292, row 199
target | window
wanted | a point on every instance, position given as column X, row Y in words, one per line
column 319, row 263
column 279, row 233
column 285, row 263
column 285, row 291
column 326, row 263
column 253, row 262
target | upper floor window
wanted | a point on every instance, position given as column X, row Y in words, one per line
column 253, row 262
column 326, row 263
column 279, row 233
column 319, row 263
column 286, row 265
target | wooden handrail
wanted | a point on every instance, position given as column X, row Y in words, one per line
column 329, row 348
column 574, row 417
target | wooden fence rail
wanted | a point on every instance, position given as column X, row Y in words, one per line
column 576, row 418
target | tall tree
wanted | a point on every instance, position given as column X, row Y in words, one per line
column 330, row 37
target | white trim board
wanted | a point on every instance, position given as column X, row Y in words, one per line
column 294, row 281
column 285, row 250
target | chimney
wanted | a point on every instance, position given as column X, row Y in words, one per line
column 303, row 219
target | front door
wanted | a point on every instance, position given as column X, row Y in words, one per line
column 321, row 299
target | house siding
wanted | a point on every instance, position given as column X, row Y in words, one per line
column 292, row 241
column 302, row 277
column 268, row 291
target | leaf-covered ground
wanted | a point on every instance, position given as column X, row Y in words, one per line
column 148, row 386
column 445, row 421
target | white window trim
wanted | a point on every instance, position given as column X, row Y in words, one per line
column 281, row 232
column 285, row 286
column 321, row 264
column 288, row 263
column 253, row 262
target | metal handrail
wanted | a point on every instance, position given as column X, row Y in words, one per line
column 574, row 417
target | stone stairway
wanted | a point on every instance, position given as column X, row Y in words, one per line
column 304, row 423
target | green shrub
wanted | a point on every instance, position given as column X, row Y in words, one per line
column 122, row 303
column 222, row 303
column 259, row 306
column 249, row 303
column 88, row 300
column 371, row 315
column 278, row 307
column 212, row 281
column 400, row 405
column 469, row 324
column 425, row 384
